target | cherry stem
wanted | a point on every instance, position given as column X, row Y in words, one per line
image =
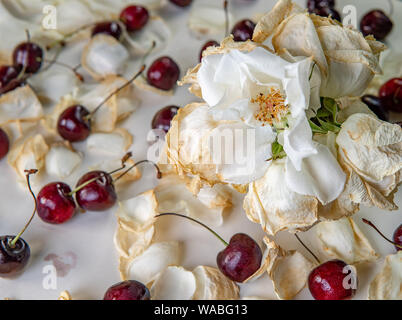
column 225, row 7
column 123, row 165
column 159, row 173
column 307, row 248
column 64, row 65
column 62, row 42
column 380, row 233
column 117, row 91
column 28, row 174
column 196, row 221
column 28, row 35
column 148, row 52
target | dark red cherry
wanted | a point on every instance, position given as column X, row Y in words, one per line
column 8, row 73
column 163, row 73
column 164, row 117
column 376, row 105
column 326, row 282
column 376, row 23
column 181, row 3
column 28, row 56
column 127, row 290
column 98, row 195
column 4, row 143
column 398, row 237
column 13, row 259
column 74, row 124
column 55, row 204
column 312, row 5
column 210, row 43
column 391, row 94
column 111, row 28
column 328, row 11
column 243, row 30
column 134, row 17
column 240, row 259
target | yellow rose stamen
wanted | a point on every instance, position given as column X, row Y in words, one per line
column 272, row 107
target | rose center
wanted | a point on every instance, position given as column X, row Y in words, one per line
column 272, row 108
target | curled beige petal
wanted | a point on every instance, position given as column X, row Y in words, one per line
column 343, row 239
column 65, row 295
column 104, row 55
column 19, row 128
column 138, row 213
column 142, row 83
column 20, row 104
column 111, row 165
column 173, row 196
column 28, row 153
column 154, row 260
column 130, row 243
column 174, row 283
column 62, row 161
column 115, row 143
column 387, row 285
column 213, row 285
column 272, row 204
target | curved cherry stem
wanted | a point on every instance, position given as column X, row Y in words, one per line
column 380, row 233
column 28, row 34
column 146, row 55
column 307, row 248
column 159, row 173
column 225, row 8
column 117, row 91
column 62, row 42
column 196, row 221
column 64, row 65
column 28, row 174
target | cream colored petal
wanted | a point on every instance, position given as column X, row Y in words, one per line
column 142, row 83
column 154, row 260
column 20, row 104
column 115, row 143
column 62, row 161
column 272, row 204
column 110, row 165
column 103, row 56
column 387, row 285
column 344, row 240
column 213, row 285
column 129, row 243
column 174, row 283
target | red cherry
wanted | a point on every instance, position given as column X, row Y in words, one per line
column 181, row 3
column 210, row 43
column 391, row 94
column 398, row 237
column 376, row 23
column 8, row 73
column 4, row 143
column 326, row 282
column 13, row 259
column 240, row 259
column 55, row 203
column 98, row 195
column 163, row 73
column 377, row 106
column 243, row 30
column 312, row 5
column 134, row 17
column 327, row 11
column 74, row 124
column 111, row 28
column 128, row 290
column 164, row 117
column 28, row 56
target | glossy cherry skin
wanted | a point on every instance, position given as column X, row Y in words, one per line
column 163, row 118
column 73, row 124
column 210, row 43
column 376, row 23
column 398, row 237
column 376, row 105
column 111, row 28
column 312, row 5
column 4, row 144
column 163, row 73
column 240, row 259
column 326, row 281
column 127, row 290
column 391, row 94
column 134, row 17
column 13, row 260
column 28, row 56
column 55, row 205
column 98, row 195
column 243, row 30
column 8, row 73
column 181, row 3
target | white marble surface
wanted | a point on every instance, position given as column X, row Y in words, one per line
column 86, row 242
